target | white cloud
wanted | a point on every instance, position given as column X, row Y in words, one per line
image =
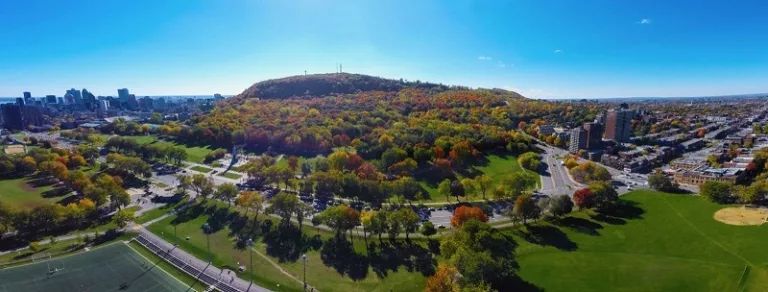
column 644, row 21
column 484, row 58
column 558, row 51
column 502, row 65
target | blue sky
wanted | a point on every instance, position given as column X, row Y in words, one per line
column 541, row 48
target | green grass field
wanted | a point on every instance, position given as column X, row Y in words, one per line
column 33, row 191
column 496, row 166
column 674, row 244
column 230, row 175
column 105, row 268
column 27, row 192
column 201, row 169
column 325, row 278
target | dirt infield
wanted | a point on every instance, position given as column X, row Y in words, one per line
column 741, row 216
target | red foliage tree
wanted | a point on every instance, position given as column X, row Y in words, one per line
column 354, row 162
column 444, row 166
column 367, row 171
column 465, row 213
column 293, row 163
column 584, row 198
column 438, row 152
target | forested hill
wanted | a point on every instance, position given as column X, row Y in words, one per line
column 320, row 85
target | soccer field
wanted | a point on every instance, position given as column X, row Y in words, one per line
column 115, row 267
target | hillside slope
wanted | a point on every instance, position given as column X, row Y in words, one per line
column 319, row 85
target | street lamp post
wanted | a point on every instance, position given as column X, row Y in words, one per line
column 249, row 243
column 304, row 256
column 207, row 231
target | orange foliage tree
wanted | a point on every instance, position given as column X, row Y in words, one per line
column 465, row 213
column 446, row 279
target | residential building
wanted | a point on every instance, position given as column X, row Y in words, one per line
column 51, row 99
column 578, row 140
column 594, row 135
column 12, row 117
column 700, row 175
column 618, row 125
column 546, row 130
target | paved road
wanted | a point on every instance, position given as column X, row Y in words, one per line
column 554, row 176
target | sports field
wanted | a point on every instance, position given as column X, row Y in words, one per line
column 115, row 267
column 663, row 242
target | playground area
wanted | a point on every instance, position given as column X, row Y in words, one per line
column 109, row 268
column 742, row 215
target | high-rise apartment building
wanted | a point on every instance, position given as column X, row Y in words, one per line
column 618, row 125
column 578, row 140
column 594, row 135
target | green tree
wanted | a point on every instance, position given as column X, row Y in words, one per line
column 226, row 192
column 717, row 192
column 484, row 184
column 283, row 205
column 457, row 189
column 122, row 218
column 660, row 182
column 560, row 205
column 470, row 187
column 444, row 189
column 202, row 185
column 529, row 160
column 428, row 229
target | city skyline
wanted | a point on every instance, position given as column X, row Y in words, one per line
column 542, row 49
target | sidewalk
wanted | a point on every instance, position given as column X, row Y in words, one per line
column 209, row 274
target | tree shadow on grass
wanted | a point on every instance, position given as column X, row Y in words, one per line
column 548, row 236
column 189, row 213
column 56, row 192
column 580, row 225
column 517, row 284
column 390, row 256
column 619, row 213
column 287, row 243
column 40, row 181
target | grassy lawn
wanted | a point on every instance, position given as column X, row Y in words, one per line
column 301, row 159
column 28, row 192
column 201, row 169
column 194, row 153
column 665, row 243
column 496, row 166
column 324, row 277
column 230, row 175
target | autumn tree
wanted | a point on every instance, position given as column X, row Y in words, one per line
column 445, row 279
column 463, row 214
column 583, row 198
column 250, row 200
column 526, row 208
column 293, row 163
